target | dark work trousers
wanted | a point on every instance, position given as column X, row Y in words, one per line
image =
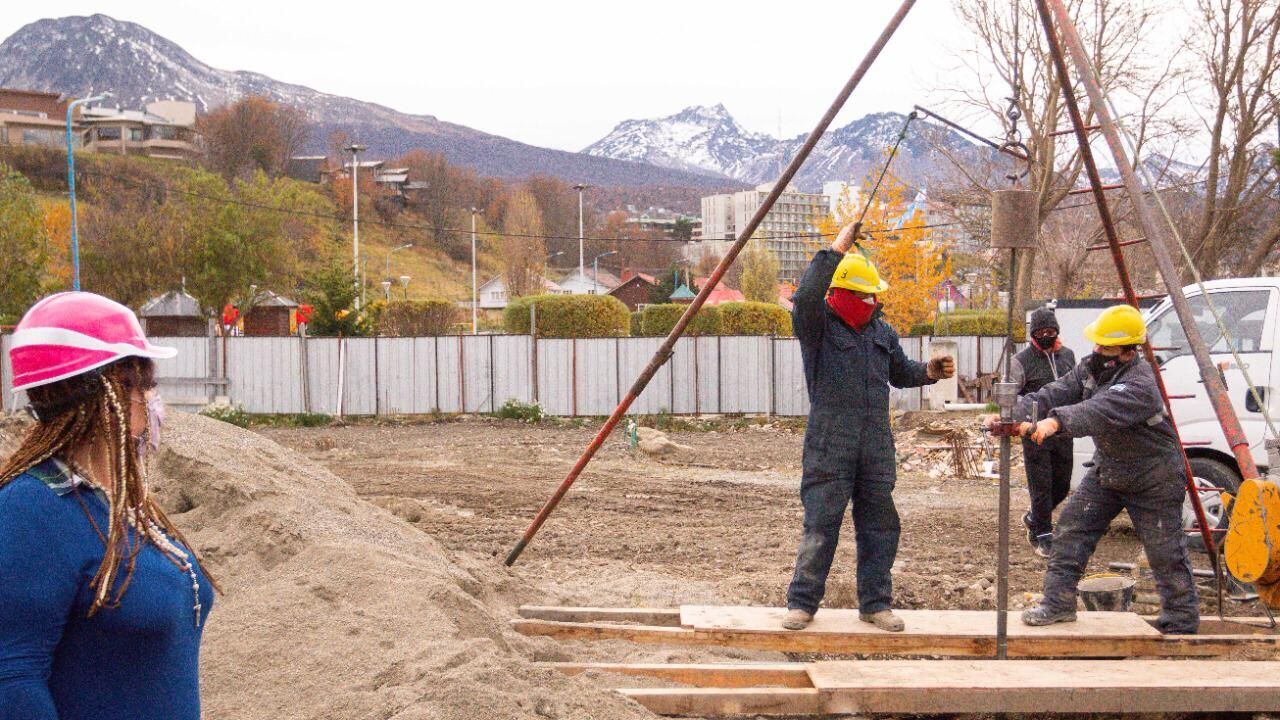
column 1155, row 506
column 1048, row 469
column 825, row 493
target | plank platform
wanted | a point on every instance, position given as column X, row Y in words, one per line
column 946, row 633
column 1038, row 687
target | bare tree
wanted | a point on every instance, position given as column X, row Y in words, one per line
column 1237, row 51
column 1009, row 44
column 252, row 134
column 448, row 191
column 523, row 256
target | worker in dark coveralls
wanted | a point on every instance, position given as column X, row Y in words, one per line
column 1048, row 466
column 851, row 357
column 1112, row 396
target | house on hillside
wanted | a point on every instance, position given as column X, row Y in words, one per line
column 494, row 294
column 308, row 168
column 589, row 283
column 31, row 117
column 635, row 289
column 163, row 129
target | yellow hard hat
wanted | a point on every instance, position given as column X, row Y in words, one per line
column 855, row 272
column 1117, row 325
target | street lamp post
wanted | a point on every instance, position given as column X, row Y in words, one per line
column 595, row 269
column 582, row 269
column 404, row 280
column 388, row 274
column 355, row 151
column 475, row 312
column 71, row 189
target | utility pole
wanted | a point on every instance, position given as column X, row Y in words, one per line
column 355, row 151
column 595, row 269
column 475, row 312
column 582, row 265
column 71, row 189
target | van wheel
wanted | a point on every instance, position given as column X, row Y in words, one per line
column 1209, row 473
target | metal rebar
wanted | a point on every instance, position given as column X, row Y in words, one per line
column 1006, row 442
column 664, row 351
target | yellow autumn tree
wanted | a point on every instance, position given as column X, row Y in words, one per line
column 907, row 256
column 57, row 228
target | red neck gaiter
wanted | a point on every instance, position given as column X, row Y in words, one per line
column 854, row 311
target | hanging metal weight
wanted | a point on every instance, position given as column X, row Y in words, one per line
column 1015, row 219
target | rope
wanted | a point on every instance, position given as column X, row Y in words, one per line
column 893, row 153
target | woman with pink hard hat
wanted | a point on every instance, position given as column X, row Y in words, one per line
column 102, row 601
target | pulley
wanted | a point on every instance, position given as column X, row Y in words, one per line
column 1253, row 541
column 1015, row 219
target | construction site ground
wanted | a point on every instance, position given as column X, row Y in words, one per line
column 717, row 524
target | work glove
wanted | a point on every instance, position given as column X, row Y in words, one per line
column 941, row 368
column 1042, row 430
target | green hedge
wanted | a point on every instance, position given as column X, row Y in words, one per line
column 992, row 323
column 637, row 320
column 415, row 318
column 657, row 320
column 568, row 316
column 754, row 318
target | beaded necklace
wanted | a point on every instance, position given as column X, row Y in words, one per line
column 137, row 516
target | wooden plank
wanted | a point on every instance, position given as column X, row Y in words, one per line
column 645, row 616
column 728, row 701
column 721, row 675
column 1046, row 686
column 932, row 623
column 904, row 644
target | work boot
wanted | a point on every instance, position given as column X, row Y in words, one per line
column 1044, row 545
column 1044, row 615
column 797, row 619
column 885, row 620
column 1031, row 534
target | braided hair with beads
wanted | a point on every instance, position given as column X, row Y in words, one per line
column 91, row 409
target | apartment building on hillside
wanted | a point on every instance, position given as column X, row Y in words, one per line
column 163, row 129
column 31, row 117
column 788, row 229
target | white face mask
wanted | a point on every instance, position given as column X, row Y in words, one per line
column 149, row 440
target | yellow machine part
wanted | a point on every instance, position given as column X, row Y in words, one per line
column 1253, row 542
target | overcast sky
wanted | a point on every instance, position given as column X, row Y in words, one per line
column 561, row 73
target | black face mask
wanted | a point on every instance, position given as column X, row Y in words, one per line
column 1101, row 367
column 1044, row 343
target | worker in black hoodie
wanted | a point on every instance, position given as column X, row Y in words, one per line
column 1048, row 466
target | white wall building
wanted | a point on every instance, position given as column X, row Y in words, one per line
column 576, row 283
column 793, row 217
column 494, row 294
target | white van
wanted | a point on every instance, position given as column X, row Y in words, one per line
column 1249, row 308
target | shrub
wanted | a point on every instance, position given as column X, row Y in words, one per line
column 232, row 414
column 657, row 320
column 413, row 318
column 637, row 324
column 991, row 323
column 754, row 318
column 524, row 412
column 568, row 316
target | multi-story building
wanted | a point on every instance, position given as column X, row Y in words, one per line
column 162, row 130
column 30, row 117
column 662, row 221
column 789, row 229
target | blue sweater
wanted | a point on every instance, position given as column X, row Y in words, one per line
column 139, row 661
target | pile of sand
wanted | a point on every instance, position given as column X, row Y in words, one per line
column 335, row 608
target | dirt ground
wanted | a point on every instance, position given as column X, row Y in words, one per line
column 720, row 527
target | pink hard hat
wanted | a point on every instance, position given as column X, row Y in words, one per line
column 71, row 333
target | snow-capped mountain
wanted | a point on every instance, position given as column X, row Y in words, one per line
column 709, row 140
column 84, row 55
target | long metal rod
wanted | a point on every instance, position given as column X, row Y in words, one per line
column 1117, row 256
column 1157, row 233
column 664, row 352
column 962, row 129
column 1006, row 450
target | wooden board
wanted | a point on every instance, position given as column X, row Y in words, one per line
column 729, row 701
column 1043, row 686
column 642, row 616
column 721, row 675
column 906, row 644
column 919, row 623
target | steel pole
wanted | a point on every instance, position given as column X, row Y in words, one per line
column 71, row 191
column 1157, row 235
column 582, row 268
column 355, row 222
column 1006, row 451
column 475, row 318
column 664, row 352
column 1081, row 131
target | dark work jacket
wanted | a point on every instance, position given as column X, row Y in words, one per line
column 1125, row 416
column 848, row 373
column 1033, row 368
